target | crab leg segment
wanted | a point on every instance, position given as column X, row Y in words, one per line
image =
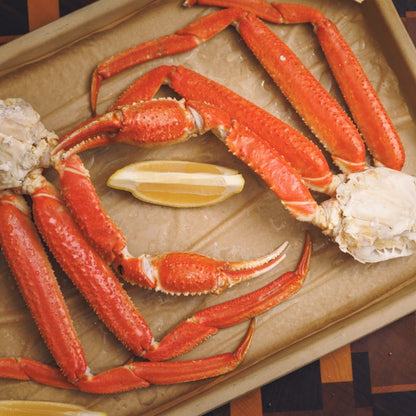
column 149, row 123
column 179, row 273
column 27, row 369
column 130, row 376
column 96, row 225
column 300, row 152
column 192, row 273
column 92, row 276
column 37, row 283
column 141, row 374
column 183, row 40
column 366, row 108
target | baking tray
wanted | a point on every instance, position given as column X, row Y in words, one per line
column 341, row 300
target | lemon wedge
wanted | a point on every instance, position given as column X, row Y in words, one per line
column 178, row 183
column 39, row 408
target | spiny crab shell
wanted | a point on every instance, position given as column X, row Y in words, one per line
column 372, row 216
column 25, row 143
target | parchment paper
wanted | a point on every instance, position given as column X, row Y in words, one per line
column 248, row 225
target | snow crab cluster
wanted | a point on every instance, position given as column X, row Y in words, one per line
column 85, row 241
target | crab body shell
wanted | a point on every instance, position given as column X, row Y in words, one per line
column 373, row 215
column 25, row 143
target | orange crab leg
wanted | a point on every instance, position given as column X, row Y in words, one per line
column 192, row 273
column 181, row 41
column 96, row 225
column 366, row 108
column 37, row 283
column 141, row 374
column 109, row 300
column 27, row 369
column 184, row 337
column 316, row 106
column 130, row 376
column 92, row 276
column 299, row 151
column 207, row 322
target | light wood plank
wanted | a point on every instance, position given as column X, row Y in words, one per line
column 247, row 405
column 337, row 366
column 42, row 12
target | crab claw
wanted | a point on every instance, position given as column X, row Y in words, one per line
column 91, row 134
column 191, row 273
column 154, row 122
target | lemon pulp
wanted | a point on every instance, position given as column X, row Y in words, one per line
column 178, row 183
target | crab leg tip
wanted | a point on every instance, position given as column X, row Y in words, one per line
column 304, row 263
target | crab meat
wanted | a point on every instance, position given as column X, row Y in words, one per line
column 24, row 142
column 373, row 215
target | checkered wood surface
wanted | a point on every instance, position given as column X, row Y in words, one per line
column 18, row 17
column 375, row 376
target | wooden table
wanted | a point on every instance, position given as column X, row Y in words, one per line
column 371, row 377
column 375, row 375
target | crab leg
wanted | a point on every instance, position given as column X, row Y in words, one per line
column 130, row 376
column 92, row 276
column 360, row 96
column 30, row 370
column 181, row 41
column 37, row 283
column 181, row 339
column 95, row 280
column 97, row 226
column 315, row 105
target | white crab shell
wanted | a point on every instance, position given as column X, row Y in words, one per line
column 24, row 142
column 373, row 215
